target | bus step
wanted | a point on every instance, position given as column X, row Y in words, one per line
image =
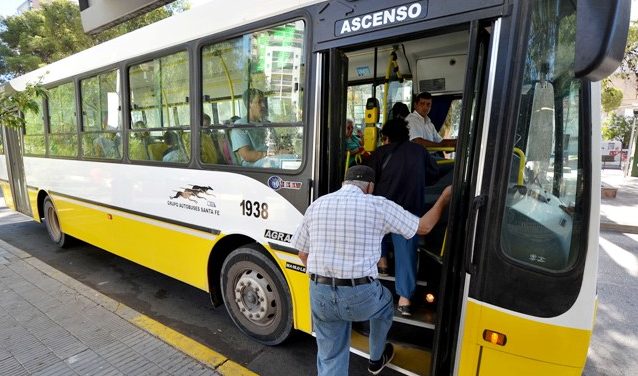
column 421, row 317
column 390, row 278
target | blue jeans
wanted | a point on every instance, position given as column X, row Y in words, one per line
column 405, row 264
column 334, row 309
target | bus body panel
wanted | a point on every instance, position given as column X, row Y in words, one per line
column 33, row 200
column 526, row 337
column 172, row 235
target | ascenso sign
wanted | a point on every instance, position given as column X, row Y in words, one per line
column 382, row 18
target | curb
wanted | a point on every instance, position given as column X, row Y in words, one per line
column 186, row 345
column 615, row 227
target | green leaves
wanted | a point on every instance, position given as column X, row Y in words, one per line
column 13, row 104
column 54, row 31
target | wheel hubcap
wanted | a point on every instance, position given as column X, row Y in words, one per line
column 255, row 298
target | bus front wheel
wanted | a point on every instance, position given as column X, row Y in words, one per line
column 61, row 239
column 256, row 296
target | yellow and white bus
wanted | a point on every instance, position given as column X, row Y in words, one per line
column 135, row 150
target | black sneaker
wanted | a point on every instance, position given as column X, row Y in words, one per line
column 375, row 366
column 404, row 310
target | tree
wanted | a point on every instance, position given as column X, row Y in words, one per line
column 611, row 97
column 618, row 127
column 54, row 31
column 22, row 101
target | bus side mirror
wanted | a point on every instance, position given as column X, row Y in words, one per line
column 601, row 36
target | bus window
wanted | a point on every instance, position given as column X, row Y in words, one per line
column 34, row 131
column 101, row 118
column 63, row 139
column 160, row 110
column 544, row 208
column 252, row 99
column 1, row 142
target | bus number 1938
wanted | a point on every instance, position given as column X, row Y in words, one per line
column 254, row 208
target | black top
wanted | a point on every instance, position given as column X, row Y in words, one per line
column 403, row 170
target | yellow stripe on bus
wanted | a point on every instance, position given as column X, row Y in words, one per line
column 563, row 350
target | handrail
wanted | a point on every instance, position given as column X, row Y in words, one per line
column 347, row 164
column 521, row 165
column 392, row 65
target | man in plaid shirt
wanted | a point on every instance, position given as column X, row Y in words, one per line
column 339, row 242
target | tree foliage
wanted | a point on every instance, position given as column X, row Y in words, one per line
column 611, row 97
column 12, row 104
column 618, row 127
column 54, row 31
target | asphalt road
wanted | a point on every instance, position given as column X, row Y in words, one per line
column 174, row 304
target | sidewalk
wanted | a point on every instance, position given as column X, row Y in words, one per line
column 53, row 325
column 620, row 213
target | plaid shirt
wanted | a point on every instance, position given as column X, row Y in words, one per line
column 342, row 232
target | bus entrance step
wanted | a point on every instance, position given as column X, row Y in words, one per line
column 421, row 317
column 390, row 278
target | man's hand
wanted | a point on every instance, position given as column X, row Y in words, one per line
column 304, row 258
column 430, row 219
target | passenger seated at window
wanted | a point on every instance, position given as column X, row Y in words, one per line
column 107, row 145
column 174, row 152
column 250, row 143
column 353, row 144
column 138, row 144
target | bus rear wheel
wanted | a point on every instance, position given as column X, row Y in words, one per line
column 52, row 224
column 256, row 296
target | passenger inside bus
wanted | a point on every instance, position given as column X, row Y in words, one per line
column 138, row 147
column 354, row 144
column 173, row 152
column 422, row 131
column 250, row 144
column 403, row 169
column 210, row 152
column 399, row 110
column 106, row 145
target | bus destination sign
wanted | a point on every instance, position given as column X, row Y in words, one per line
column 382, row 18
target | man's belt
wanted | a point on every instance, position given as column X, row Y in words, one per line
column 340, row 281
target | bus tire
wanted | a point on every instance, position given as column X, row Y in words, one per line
column 52, row 224
column 256, row 296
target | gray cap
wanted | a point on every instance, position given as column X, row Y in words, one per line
column 361, row 173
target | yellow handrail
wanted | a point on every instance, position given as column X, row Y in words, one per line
column 388, row 72
column 521, row 165
column 347, row 164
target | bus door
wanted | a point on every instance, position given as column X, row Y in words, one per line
column 15, row 169
column 530, row 256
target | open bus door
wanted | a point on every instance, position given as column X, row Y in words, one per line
column 530, row 256
column 15, row 168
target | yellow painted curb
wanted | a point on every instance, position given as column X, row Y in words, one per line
column 191, row 347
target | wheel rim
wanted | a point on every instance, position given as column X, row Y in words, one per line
column 52, row 223
column 256, row 298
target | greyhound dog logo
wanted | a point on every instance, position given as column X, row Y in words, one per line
column 194, row 192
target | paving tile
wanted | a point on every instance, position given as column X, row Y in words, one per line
column 11, row 367
column 60, row 368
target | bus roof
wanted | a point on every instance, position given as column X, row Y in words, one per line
column 207, row 19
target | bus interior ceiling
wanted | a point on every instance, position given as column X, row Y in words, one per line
column 436, row 64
